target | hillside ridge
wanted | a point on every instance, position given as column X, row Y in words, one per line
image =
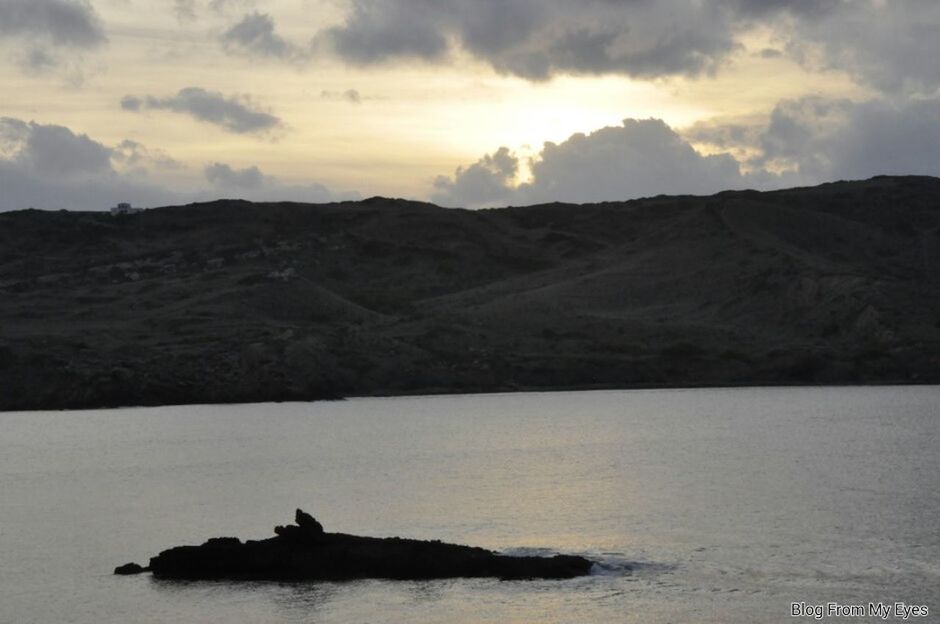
column 233, row 301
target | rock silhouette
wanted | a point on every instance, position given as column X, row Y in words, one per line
column 303, row 551
column 129, row 568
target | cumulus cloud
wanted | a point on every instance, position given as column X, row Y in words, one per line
column 50, row 166
column 487, row 182
column 52, row 151
column 53, row 167
column 639, row 158
column 803, row 141
column 238, row 114
column 252, row 184
column 223, row 175
column 255, row 35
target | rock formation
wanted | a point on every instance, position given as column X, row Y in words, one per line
column 303, row 551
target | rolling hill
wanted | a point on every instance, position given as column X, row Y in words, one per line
column 232, row 301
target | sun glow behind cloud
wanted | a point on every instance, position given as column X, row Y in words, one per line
column 390, row 116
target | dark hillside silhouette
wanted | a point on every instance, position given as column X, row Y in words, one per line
column 234, row 301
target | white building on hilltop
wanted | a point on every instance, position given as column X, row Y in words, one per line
column 124, row 208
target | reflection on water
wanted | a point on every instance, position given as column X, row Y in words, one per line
column 700, row 505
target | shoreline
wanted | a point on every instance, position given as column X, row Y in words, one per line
column 471, row 393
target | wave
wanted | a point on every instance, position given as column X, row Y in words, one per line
column 606, row 564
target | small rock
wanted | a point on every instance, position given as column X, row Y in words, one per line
column 129, row 568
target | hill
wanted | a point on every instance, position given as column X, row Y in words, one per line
column 232, row 301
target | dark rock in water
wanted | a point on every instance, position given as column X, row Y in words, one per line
column 130, row 568
column 308, row 524
column 307, row 529
column 305, row 552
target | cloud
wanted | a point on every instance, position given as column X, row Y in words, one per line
column 51, row 166
column 38, row 60
column 223, row 7
column 349, row 95
column 58, row 22
column 640, row 158
column 823, row 139
column 138, row 158
column 236, row 114
column 49, row 36
column 185, row 10
column 487, row 182
column 885, row 44
column 802, row 141
column 255, row 35
column 815, row 139
column 51, row 151
column 537, row 39
column 224, row 176
column 252, row 184
column 891, row 46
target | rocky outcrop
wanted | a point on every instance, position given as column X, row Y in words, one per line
column 129, row 569
column 303, row 551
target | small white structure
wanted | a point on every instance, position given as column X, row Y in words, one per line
column 124, row 208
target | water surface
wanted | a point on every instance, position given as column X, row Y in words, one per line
column 728, row 504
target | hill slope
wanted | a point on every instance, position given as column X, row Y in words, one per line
column 233, row 301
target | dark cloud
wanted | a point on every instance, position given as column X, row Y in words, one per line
column 236, row 114
column 639, row 158
column 882, row 137
column 224, row 176
column 761, row 8
column 59, row 22
column 825, row 139
column 50, row 35
column 892, row 46
column 255, row 35
column 252, row 184
column 536, row 39
column 817, row 139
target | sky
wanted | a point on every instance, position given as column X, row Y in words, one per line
column 466, row 103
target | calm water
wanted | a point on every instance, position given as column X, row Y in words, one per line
column 730, row 504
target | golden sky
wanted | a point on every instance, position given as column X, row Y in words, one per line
column 319, row 99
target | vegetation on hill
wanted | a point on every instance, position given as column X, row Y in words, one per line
column 231, row 301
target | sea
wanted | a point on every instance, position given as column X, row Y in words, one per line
column 703, row 506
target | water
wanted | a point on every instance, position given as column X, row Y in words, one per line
column 728, row 504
